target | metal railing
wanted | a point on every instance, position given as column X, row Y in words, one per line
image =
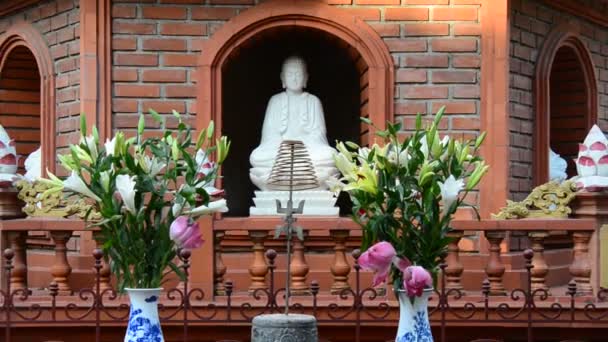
column 357, row 307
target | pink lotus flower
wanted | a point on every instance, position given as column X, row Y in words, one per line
column 378, row 258
column 186, row 233
column 415, row 280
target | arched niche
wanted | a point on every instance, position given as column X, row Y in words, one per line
column 27, row 92
column 566, row 100
column 356, row 46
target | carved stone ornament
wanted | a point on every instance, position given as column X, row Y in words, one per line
column 549, row 200
column 40, row 203
column 284, row 328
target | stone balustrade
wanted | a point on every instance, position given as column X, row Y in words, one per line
column 240, row 244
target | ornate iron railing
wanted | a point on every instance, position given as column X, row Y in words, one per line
column 358, row 307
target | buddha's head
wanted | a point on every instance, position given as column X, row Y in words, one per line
column 293, row 74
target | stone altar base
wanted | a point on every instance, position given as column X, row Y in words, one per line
column 318, row 203
column 284, row 328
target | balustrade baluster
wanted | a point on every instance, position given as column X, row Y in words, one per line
column 105, row 273
column 580, row 268
column 220, row 268
column 299, row 268
column 540, row 268
column 495, row 268
column 258, row 268
column 340, row 267
column 19, row 271
column 61, row 269
column 454, row 269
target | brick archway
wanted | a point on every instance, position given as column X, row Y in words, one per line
column 25, row 35
column 312, row 14
column 561, row 37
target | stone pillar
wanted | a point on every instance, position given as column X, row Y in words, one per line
column 280, row 327
column 299, row 267
column 580, row 269
column 220, row 268
column 258, row 268
column 454, row 268
column 340, row 267
column 61, row 269
column 19, row 271
column 495, row 268
column 10, row 208
column 593, row 205
column 540, row 269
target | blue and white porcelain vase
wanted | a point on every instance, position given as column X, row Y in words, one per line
column 144, row 324
column 414, row 318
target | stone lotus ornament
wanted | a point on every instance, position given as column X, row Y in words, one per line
column 557, row 167
column 8, row 160
column 592, row 162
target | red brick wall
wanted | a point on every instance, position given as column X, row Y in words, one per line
column 58, row 23
column 530, row 24
column 435, row 45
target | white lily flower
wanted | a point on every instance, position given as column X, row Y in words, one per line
column 335, row 185
column 90, row 142
column 403, row 158
column 363, row 152
column 150, row 165
column 218, row 206
column 110, row 146
column 204, row 165
column 105, row 180
column 445, row 141
column 424, row 147
column 75, row 184
column 176, row 208
column 126, row 187
column 346, row 167
column 155, row 166
column 450, row 190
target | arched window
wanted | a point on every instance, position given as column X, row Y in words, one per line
column 566, row 100
column 27, row 92
column 365, row 75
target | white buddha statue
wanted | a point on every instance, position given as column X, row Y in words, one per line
column 293, row 114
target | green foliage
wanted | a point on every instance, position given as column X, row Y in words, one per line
column 396, row 188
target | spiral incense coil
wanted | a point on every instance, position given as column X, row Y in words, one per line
column 293, row 169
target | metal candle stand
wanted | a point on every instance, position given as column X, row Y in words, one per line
column 292, row 170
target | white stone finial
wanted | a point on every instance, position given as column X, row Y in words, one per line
column 592, row 161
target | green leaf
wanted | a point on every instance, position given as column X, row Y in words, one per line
column 480, row 140
column 141, row 125
column 366, row 120
column 439, row 116
column 210, row 129
column 157, row 117
column 83, row 124
column 201, row 139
